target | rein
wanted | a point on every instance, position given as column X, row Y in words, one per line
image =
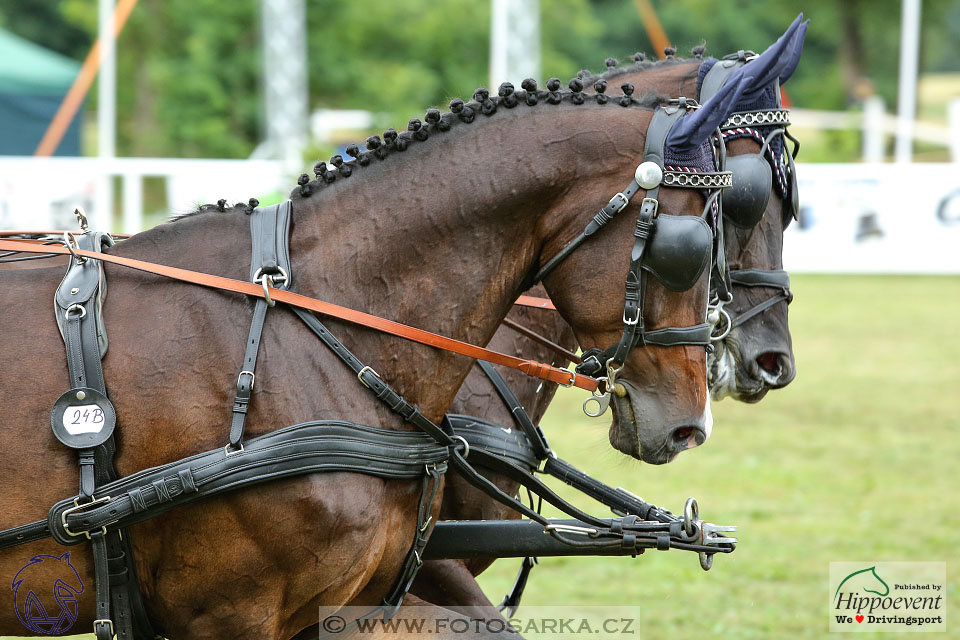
column 533, row 368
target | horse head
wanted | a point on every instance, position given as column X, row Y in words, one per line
column 660, row 396
column 757, row 353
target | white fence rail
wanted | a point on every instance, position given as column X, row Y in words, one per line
column 876, row 124
column 856, row 218
column 41, row 193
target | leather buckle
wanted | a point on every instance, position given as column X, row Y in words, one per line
column 620, row 206
column 253, row 378
column 80, row 507
column 107, row 622
column 363, row 371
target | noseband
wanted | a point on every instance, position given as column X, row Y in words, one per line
column 675, row 249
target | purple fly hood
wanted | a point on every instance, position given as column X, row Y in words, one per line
column 693, row 128
column 778, row 62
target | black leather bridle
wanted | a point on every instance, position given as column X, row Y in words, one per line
column 676, row 249
column 745, row 202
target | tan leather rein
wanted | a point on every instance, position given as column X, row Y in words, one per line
column 533, row 368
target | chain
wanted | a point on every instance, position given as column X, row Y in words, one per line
column 757, row 118
column 714, row 180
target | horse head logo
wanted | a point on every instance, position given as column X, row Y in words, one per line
column 866, row 578
column 32, row 587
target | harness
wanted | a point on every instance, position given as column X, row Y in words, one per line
column 105, row 506
column 674, row 249
column 512, row 538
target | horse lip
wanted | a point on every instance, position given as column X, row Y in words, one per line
column 623, row 413
column 628, row 435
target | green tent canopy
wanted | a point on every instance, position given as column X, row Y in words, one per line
column 33, row 82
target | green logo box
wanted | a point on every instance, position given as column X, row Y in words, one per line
column 888, row 596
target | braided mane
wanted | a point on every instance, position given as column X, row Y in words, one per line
column 378, row 149
column 640, row 63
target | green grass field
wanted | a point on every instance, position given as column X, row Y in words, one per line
column 856, row 460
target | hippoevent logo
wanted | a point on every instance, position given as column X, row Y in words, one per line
column 888, row 596
column 46, row 593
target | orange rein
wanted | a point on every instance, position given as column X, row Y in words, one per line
column 530, row 367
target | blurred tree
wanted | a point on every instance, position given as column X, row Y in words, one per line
column 43, row 22
column 189, row 70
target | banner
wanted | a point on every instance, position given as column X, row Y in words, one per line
column 876, row 218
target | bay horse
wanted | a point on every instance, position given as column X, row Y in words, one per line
column 757, row 246
column 443, row 238
column 756, row 356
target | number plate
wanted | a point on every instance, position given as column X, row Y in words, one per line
column 83, row 418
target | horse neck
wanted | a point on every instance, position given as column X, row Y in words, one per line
column 444, row 236
column 672, row 80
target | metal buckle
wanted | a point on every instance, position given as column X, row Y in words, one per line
column 623, row 205
column 633, row 321
column 227, row 452
column 266, row 290
column 573, row 379
column 656, row 206
column 363, row 371
column 74, row 307
column 71, row 243
column 81, row 218
column 258, row 275
column 602, row 400
column 721, row 313
column 267, row 280
column 253, row 378
column 691, row 516
column 80, row 507
column 466, row 445
column 106, row 622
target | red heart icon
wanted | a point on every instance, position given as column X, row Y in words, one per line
column 859, row 618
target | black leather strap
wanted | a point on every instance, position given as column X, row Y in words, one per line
column 512, row 444
column 511, row 601
column 269, row 263
column 372, row 381
column 777, row 278
column 311, row 447
column 617, row 204
column 773, row 278
column 78, row 303
column 414, row 559
column 534, row 435
column 270, row 242
column 247, row 376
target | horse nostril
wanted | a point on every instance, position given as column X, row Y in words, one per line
column 688, row 437
column 770, row 362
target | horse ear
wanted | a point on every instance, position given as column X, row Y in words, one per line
column 693, row 128
column 775, row 61
column 793, row 53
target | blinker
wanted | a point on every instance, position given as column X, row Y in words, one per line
column 745, row 202
column 679, row 251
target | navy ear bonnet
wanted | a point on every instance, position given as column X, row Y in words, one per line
column 770, row 70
